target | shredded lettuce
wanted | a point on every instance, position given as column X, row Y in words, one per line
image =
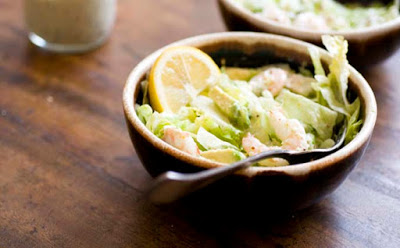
column 144, row 112
column 339, row 71
column 316, row 60
column 320, row 118
column 332, row 89
column 157, row 122
column 188, row 119
column 354, row 123
column 260, row 125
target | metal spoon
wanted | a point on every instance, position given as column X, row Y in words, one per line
column 171, row 186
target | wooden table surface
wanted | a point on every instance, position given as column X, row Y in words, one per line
column 69, row 176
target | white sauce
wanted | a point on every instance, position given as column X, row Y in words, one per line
column 70, row 22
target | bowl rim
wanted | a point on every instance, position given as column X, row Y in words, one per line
column 142, row 68
column 359, row 34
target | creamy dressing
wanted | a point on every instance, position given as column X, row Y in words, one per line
column 70, row 23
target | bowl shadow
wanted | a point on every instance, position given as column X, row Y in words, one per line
column 244, row 227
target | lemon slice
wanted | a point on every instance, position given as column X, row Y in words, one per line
column 178, row 76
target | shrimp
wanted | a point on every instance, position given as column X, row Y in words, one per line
column 274, row 13
column 253, row 146
column 300, row 84
column 181, row 140
column 309, row 20
column 289, row 131
column 272, row 79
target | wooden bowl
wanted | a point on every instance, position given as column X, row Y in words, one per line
column 367, row 46
column 284, row 188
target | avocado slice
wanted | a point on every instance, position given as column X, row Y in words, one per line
column 243, row 74
column 236, row 113
column 225, row 156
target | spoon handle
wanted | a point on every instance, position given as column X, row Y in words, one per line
column 171, row 186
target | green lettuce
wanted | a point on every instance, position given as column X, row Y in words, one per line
column 331, row 90
column 144, row 112
column 260, row 125
column 188, row 119
column 158, row 121
column 354, row 123
column 320, row 118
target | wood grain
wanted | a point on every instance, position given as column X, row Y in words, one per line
column 70, row 178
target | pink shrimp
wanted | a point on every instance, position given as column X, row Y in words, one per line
column 272, row 79
column 309, row 20
column 290, row 131
column 300, row 84
column 181, row 140
column 274, row 13
column 253, row 146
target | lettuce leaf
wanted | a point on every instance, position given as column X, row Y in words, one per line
column 188, row 119
column 143, row 112
column 260, row 125
column 157, row 122
column 354, row 124
column 326, row 95
column 331, row 90
column 316, row 60
column 339, row 71
column 320, row 118
column 191, row 119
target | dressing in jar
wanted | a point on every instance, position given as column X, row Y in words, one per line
column 69, row 25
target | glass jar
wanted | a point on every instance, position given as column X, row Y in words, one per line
column 69, row 25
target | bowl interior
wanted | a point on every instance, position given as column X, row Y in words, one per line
column 254, row 50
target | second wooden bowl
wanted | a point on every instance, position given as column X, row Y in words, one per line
column 367, row 46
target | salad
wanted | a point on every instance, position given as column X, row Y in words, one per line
column 323, row 15
column 227, row 114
